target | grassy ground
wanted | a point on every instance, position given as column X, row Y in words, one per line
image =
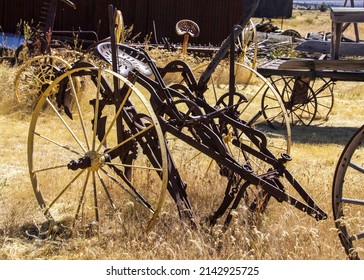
column 281, row 233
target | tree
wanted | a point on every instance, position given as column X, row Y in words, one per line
column 323, row 7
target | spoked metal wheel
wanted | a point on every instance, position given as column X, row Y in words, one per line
column 246, row 106
column 248, row 99
column 105, row 157
column 299, row 99
column 34, row 76
column 348, row 196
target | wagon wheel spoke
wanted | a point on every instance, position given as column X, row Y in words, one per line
column 34, row 76
column 94, row 156
column 104, row 186
column 96, row 203
column 64, row 122
column 129, row 188
column 61, row 193
column 81, row 200
column 304, row 113
column 75, row 95
column 55, row 142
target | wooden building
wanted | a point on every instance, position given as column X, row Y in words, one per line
column 215, row 17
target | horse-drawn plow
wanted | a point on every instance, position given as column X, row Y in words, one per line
column 110, row 145
column 113, row 137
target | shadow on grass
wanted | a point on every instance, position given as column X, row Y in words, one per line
column 322, row 134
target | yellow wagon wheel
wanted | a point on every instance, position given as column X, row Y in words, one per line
column 119, row 22
column 34, row 76
column 99, row 159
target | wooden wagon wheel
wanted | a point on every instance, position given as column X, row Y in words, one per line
column 99, row 159
column 34, row 76
column 348, row 198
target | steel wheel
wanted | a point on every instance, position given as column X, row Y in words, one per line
column 99, row 159
column 298, row 99
column 247, row 107
column 34, row 76
column 348, row 196
column 251, row 89
column 257, row 90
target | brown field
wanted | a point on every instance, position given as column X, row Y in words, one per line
column 282, row 233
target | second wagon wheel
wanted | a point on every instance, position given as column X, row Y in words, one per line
column 99, row 162
column 248, row 99
column 348, row 196
column 34, row 76
column 247, row 107
column 248, row 44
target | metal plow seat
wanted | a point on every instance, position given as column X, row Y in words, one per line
column 128, row 58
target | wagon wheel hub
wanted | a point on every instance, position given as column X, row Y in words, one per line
column 91, row 161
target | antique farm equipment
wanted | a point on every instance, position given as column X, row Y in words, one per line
column 306, row 85
column 112, row 145
column 39, row 70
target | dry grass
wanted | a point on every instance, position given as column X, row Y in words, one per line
column 312, row 21
column 281, row 233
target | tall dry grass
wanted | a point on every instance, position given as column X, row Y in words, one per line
column 281, row 233
column 312, row 21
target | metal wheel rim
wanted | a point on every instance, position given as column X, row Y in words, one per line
column 32, row 134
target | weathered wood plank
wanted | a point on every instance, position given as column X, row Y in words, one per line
column 320, row 65
column 342, row 15
column 346, row 48
column 344, row 70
